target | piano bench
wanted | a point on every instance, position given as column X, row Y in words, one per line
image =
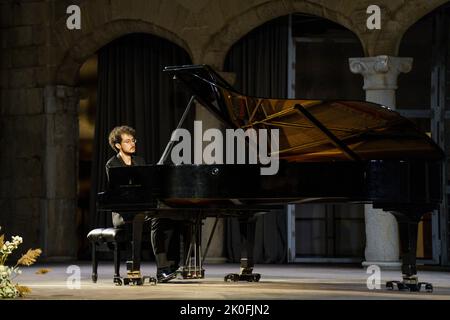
column 112, row 237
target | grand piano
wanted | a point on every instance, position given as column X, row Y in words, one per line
column 334, row 151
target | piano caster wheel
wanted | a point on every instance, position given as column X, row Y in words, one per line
column 253, row 277
column 428, row 286
column 256, row 277
column 152, row 281
column 136, row 282
column 390, row 285
column 412, row 287
column 133, row 277
column 401, row 286
column 234, row 277
column 404, row 287
column 117, row 281
column 94, row 278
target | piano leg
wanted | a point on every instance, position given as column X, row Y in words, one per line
column 247, row 228
column 408, row 226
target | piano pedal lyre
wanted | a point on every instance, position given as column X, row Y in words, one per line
column 193, row 266
column 192, row 273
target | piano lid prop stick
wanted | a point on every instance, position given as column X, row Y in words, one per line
column 171, row 142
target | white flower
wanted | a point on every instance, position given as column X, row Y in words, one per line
column 17, row 238
column 7, row 274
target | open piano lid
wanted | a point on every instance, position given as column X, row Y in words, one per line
column 369, row 130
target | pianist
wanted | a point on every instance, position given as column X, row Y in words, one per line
column 164, row 232
column 122, row 140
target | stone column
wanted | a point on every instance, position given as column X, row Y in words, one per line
column 60, row 173
column 380, row 82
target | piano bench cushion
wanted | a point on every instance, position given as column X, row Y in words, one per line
column 106, row 235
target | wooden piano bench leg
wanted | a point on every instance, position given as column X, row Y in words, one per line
column 111, row 237
column 94, row 262
column 95, row 238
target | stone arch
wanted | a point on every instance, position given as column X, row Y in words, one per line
column 77, row 49
column 103, row 21
column 411, row 12
column 220, row 43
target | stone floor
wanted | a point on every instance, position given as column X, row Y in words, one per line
column 278, row 282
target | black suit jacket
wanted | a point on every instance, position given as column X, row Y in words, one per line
column 116, row 161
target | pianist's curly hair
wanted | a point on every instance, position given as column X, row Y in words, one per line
column 115, row 136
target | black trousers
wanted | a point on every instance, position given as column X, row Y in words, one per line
column 165, row 235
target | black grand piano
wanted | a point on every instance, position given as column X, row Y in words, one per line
column 329, row 151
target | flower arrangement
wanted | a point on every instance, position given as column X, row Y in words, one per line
column 7, row 288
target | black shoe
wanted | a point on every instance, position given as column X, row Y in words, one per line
column 165, row 277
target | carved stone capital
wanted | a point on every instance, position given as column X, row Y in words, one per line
column 380, row 72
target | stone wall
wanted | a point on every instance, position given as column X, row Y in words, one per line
column 38, row 127
column 22, row 119
column 39, row 63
